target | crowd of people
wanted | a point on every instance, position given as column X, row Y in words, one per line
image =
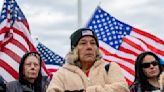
column 86, row 71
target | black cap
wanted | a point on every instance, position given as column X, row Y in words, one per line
column 77, row 35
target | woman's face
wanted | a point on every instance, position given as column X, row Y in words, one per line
column 31, row 68
column 150, row 66
column 87, row 49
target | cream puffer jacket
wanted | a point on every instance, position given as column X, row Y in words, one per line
column 71, row 78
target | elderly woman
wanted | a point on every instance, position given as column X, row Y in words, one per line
column 30, row 77
column 85, row 70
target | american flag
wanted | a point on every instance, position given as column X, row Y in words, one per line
column 52, row 60
column 15, row 40
column 121, row 42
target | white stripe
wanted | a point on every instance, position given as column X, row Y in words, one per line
column 107, row 47
column 52, row 66
column 148, row 41
column 43, row 72
column 9, row 61
column 3, row 24
column 15, row 49
column 137, row 41
column 127, row 46
column 20, row 26
column 7, row 76
column 125, row 63
column 2, row 36
column 21, row 40
column 114, row 51
column 128, row 75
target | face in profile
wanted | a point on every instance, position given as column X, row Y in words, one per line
column 150, row 66
column 31, row 67
column 87, row 49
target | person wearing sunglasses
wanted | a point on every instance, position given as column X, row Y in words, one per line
column 147, row 72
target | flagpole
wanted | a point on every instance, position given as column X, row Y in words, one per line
column 79, row 13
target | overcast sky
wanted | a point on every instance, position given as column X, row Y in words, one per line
column 52, row 21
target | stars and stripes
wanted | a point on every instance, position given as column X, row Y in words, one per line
column 121, row 42
column 15, row 40
column 52, row 60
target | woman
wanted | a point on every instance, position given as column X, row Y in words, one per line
column 85, row 70
column 30, row 77
column 147, row 72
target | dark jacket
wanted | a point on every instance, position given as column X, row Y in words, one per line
column 136, row 87
column 2, row 85
column 22, row 85
column 16, row 86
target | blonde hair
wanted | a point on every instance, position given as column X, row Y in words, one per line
column 73, row 58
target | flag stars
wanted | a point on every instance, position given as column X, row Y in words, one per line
column 99, row 25
column 99, row 11
column 101, row 15
column 107, row 18
column 90, row 27
column 114, row 37
column 98, row 21
column 117, row 47
column 93, row 22
column 127, row 28
column 103, row 20
column 104, row 39
column 96, row 31
column 105, row 14
column 95, row 26
column 97, row 16
column 111, row 43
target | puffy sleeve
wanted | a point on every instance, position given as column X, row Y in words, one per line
column 115, row 81
column 56, row 84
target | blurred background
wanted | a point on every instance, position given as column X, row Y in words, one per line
column 53, row 21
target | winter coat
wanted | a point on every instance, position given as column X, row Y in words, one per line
column 16, row 86
column 72, row 78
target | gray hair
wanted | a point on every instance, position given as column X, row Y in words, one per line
column 73, row 58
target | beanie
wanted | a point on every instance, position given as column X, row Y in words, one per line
column 77, row 35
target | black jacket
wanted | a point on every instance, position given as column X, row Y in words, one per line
column 16, row 86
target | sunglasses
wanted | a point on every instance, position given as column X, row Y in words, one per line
column 147, row 65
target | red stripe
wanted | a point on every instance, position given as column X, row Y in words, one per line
column 44, row 67
column 110, row 54
column 124, row 67
column 129, row 81
column 26, row 25
column 3, row 30
column 9, row 69
column 31, row 46
column 133, row 44
column 10, row 53
column 20, row 45
column 128, row 51
column 52, row 70
column 148, row 35
column 153, row 48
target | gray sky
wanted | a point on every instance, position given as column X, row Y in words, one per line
column 52, row 21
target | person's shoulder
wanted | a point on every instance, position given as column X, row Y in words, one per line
column 13, row 82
